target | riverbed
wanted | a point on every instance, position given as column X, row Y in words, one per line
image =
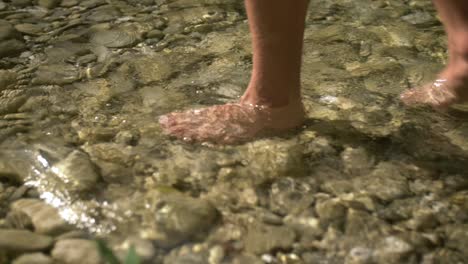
column 82, row 156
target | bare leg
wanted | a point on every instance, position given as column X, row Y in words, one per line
column 451, row 85
column 272, row 101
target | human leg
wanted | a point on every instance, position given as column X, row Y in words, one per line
column 451, row 85
column 272, row 101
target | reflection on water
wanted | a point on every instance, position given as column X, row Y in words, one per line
column 366, row 180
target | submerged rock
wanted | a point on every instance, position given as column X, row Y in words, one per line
column 33, row 258
column 393, row 250
column 177, row 218
column 77, row 172
column 19, row 220
column 23, row 241
column 49, row 3
column 7, row 79
column 261, row 238
column 7, row 31
column 45, row 218
column 11, row 47
column 76, row 251
column 115, row 38
column 386, row 182
column 57, row 74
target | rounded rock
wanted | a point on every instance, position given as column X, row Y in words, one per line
column 23, row 240
column 76, row 251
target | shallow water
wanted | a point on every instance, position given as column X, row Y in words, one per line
column 364, row 180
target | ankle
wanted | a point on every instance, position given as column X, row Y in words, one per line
column 275, row 99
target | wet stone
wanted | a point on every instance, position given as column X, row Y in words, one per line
column 69, row 3
column 359, row 255
column 11, row 47
column 364, row 225
column 114, row 38
column 7, row 31
column 23, row 241
column 290, row 196
column 45, row 218
column 29, row 29
column 76, row 251
column 385, row 183
column 77, row 172
column 12, row 100
column 330, row 211
column 152, row 69
column 457, row 237
column 19, row 220
column 393, row 250
column 21, row 3
column 180, row 218
column 7, row 79
column 49, row 3
column 196, row 254
column 262, row 238
column 103, row 14
column 57, row 74
column 7, row 171
column 356, row 161
column 33, row 258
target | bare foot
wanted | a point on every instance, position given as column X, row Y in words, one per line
column 440, row 94
column 232, row 123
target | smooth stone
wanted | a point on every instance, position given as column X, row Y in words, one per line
column 8, row 172
column 77, row 172
column 11, row 47
column 385, row 182
column 69, row 3
column 21, row 3
column 49, row 3
column 56, row 74
column 2, row 5
column 33, row 258
column 393, row 250
column 91, row 3
column 330, row 211
column 113, row 38
column 23, row 240
column 45, row 218
column 10, row 102
column 29, row 29
column 76, row 251
column 179, row 218
column 261, row 238
column 74, row 234
column 19, row 220
column 155, row 33
column 150, row 69
column 457, row 237
column 7, row 31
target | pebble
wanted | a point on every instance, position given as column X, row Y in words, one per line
column 77, row 171
column 49, row 4
column 76, row 251
column 262, row 238
column 11, row 47
column 181, row 218
column 33, row 258
column 29, row 29
column 23, row 240
column 45, row 218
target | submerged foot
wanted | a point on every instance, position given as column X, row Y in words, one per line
column 447, row 90
column 437, row 95
column 231, row 123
